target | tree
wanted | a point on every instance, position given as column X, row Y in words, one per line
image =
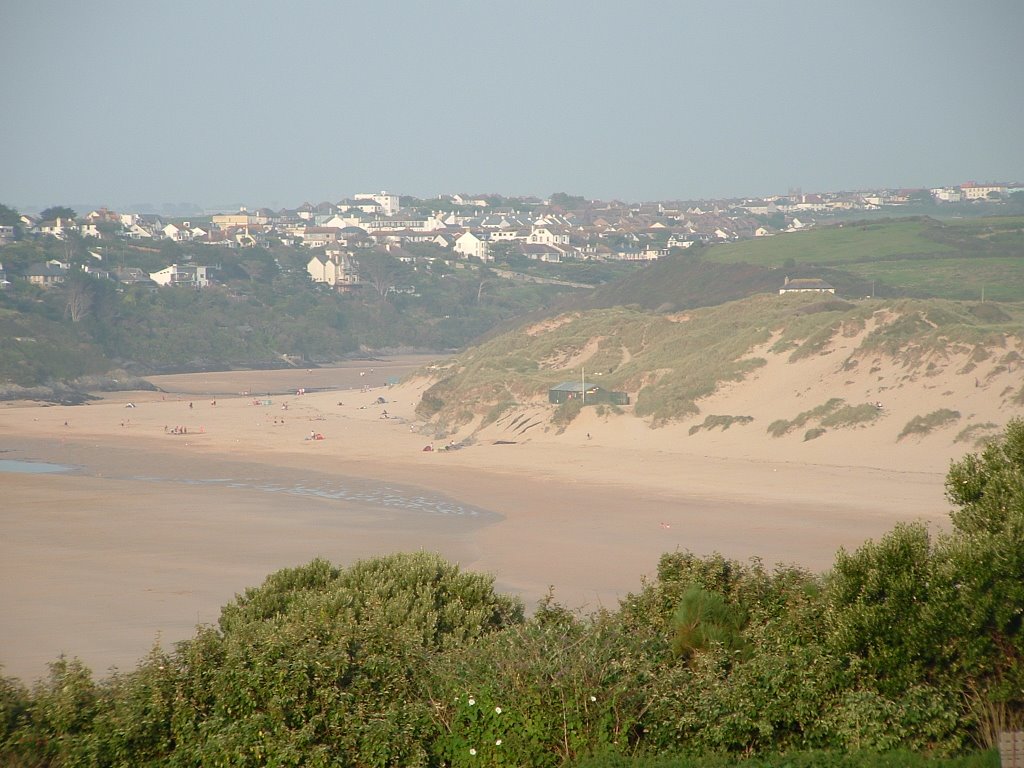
column 80, row 291
column 381, row 271
column 57, row 212
column 567, row 202
column 9, row 217
column 988, row 489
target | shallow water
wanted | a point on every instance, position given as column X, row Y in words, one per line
column 32, row 467
column 365, row 493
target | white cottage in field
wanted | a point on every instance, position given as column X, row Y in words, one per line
column 805, row 285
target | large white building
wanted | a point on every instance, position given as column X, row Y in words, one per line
column 389, row 203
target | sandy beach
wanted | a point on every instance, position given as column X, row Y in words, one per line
column 179, row 499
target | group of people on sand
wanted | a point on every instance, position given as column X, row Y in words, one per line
column 175, row 430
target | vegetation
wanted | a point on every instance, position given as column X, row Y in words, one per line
column 781, row 427
column 910, row 651
column 711, row 422
column 917, row 256
column 265, row 309
column 669, row 362
column 976, row 432
column 922, row 425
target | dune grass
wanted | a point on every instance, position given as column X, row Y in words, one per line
column 669, row 364
column 973, row 433
column 923, row 425
column 724, row 422
column 781, row 427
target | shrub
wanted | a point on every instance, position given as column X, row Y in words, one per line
column 851, row 415
column 922, row 425
column 710, row 422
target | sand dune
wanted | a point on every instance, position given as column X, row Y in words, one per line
column 154, row 531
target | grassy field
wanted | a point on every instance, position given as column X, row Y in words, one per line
column 853, row 242
column 964, row 259
column 968, row 279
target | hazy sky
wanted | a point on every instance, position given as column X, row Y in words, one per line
column 217, row 102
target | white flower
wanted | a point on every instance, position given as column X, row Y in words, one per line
column 472, row 702
column 472, row 751
column 593, row 698
column 497, row 743
column 497, row 710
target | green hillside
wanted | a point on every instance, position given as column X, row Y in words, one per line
column 670, row 362
column 842, row 243
column 263, row 309
column 897, row 257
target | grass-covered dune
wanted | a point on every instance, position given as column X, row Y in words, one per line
column 909, row 652
column 669, row 364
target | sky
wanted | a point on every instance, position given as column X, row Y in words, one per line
column 219, row 103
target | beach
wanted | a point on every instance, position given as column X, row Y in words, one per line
column 177, row 500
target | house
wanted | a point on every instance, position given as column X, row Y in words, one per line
column 58, row 227
column 589, row 394
column 185, row 275
column 972, row 190
column 318, row 237
column 805, row 285
column 335, row 268
column 6, row 234
column 47, row 275
column 545, row 234
column 132, row 276
column 177, row 233
column 539, row 252
column 469, row 245
column 4, row 282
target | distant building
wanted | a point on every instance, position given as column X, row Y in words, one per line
column 972, row 190
column 335, row 268
column 805, row 285
column 47, row 275
column 388, row 203
column 186, row 275
column 590, row 394
column 468, row 244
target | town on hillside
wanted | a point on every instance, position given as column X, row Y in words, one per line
column 486, row 229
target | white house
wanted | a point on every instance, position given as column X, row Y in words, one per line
column 470, row 245
column 545, row 234
column 335, row 268
column 805, row 285
column 58, row 227
column 187, row 275
column 177, row 233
